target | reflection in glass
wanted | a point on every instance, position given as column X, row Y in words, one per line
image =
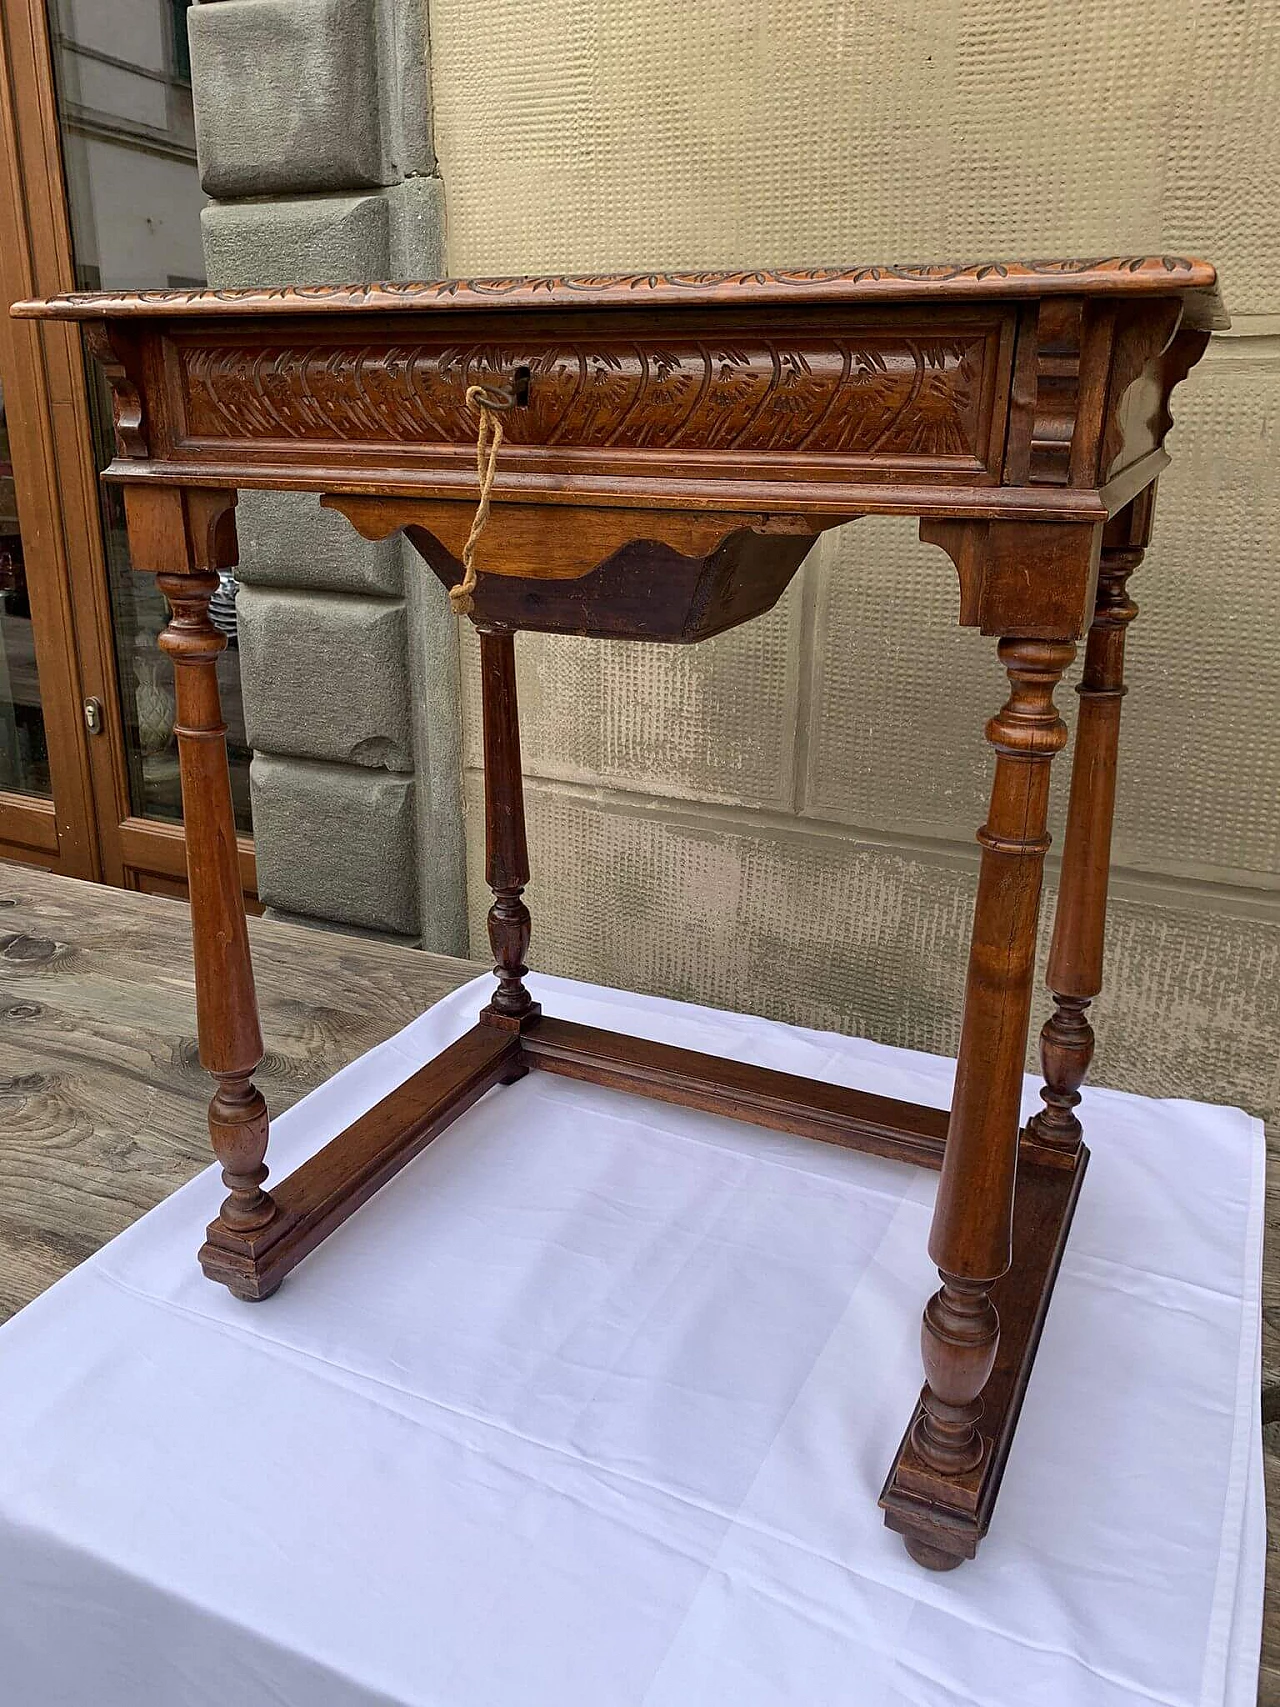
column 24, row 757
column 128, row 148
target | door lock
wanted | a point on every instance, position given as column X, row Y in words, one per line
column 93, row 716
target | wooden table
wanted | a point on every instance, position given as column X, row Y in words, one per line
column 674, row 444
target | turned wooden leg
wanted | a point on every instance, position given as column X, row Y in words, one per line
column 1079, row 924
column 184, row 537
column 970, row 1237
column 506, row 850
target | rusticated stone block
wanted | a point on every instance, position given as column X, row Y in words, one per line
column 324, row 240
column 286, row 96
column 287, row 540
column 416, row 210
column 336, row 842
column 326, row 677
column 435, row 711
column 407, row 86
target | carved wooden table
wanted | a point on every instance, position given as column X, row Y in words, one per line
column 675, row 445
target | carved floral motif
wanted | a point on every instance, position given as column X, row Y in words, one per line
column 890, row 394
column 1116, row 274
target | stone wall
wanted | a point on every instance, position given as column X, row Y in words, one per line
column 314, row 133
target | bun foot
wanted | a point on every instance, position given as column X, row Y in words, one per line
column 932, row 1558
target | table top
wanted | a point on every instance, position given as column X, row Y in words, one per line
column 779, row 402
column 1124, row 275
column 103, row 1100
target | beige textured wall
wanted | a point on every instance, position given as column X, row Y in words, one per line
column 782, row 820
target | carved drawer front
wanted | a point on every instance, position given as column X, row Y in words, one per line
column 825, row 396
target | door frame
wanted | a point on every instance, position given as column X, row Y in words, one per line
column 89, row 829
column 59, row 833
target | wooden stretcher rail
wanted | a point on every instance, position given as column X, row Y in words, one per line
column 321, row 1194
column 833, row 1114
column 324, row 1191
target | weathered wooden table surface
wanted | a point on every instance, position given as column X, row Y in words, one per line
column 102, row 1096
column 103, row 1100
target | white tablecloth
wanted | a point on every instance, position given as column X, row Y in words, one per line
column 590, row 1407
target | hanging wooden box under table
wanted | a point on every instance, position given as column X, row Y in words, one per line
column 671, row 446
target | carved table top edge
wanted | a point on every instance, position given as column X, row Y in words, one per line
column 1110, row 276
column 1045, row 411
column 1013, row 407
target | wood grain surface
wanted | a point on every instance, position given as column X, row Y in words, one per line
column 102, row 1097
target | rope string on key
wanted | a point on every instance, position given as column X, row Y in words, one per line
column 490, row 404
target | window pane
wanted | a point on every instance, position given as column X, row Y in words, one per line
column 181, row 46
column 24, row 757
column 128, row 147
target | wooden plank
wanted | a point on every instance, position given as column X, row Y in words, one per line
column 28, row 823
column 785, row 1102
column 1133, row 276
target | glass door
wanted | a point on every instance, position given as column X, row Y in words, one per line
column 97, row 143
column 46, row 802
column 24, row 748
column 122, row 76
